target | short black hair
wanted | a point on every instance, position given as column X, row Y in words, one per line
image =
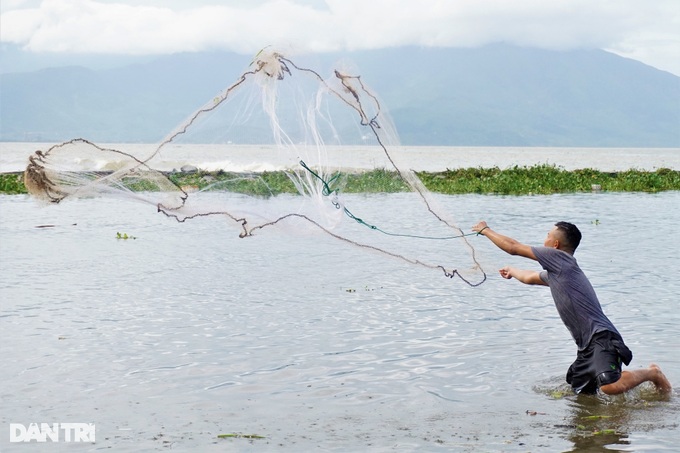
column 572, row 235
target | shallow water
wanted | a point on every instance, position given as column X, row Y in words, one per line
column 188, row 332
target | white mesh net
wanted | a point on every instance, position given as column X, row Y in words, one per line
column 277, row 115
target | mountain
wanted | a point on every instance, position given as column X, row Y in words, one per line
column 498, row 95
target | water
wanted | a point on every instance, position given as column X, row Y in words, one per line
column 187, row 332
column 14, row 157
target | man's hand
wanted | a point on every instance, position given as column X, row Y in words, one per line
column 506, row 272
column 479, row 227
column 521, row 275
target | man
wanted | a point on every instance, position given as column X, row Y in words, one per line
column 600, row 346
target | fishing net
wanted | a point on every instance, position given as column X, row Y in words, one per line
column 278, row 118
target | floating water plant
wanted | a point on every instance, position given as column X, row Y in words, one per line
column 239, row 436
column 539, row 179
column 559, row 394
column 124, row 236
column 12, row 183
column 604, row 432
column 596, row 417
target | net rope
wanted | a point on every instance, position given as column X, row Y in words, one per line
column 304, row 135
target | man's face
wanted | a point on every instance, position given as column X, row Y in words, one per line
column 552, row 240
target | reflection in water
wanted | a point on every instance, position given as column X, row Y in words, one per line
column 599, row 423
column 604, row 423
column 596, row 423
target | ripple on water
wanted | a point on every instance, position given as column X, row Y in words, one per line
column 189, row 332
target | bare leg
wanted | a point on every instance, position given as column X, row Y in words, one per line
column 631, row 379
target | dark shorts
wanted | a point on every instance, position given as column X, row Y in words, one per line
column 599, row 363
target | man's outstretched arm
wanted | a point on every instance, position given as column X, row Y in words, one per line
column 505, row 243
column 524, row 276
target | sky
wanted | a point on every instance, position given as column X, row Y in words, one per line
column 644, row 30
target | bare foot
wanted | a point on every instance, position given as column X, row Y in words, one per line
column 662, row 384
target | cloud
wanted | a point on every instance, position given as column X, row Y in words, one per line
column 648, row 31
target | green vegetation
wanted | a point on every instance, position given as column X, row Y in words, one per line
column 379, row 180
column 239, row 436
column 548, row 179
column 12, row 183
column 559, row 394
column 539, row 179
column 262, row 184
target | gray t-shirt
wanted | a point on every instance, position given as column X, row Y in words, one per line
column 574, row 296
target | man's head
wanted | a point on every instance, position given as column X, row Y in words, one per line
column 564, row 236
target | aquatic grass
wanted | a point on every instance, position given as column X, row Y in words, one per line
column 12, row 183
column 259, row 184
column 539, row 179
column 559, row 394
column 547, row 179
column 375, row 181
column 137, row 184
column 240, row 436
column 636, row 181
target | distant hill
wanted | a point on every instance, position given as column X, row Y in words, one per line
column 497, row 95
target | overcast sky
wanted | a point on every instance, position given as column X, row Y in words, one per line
column 645, row 30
